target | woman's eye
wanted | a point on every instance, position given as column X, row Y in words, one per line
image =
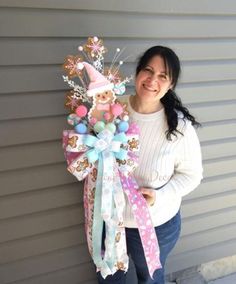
column 164, row 77
column 147, row 69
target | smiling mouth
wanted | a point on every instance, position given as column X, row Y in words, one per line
column 149, row 88
column 103, row 101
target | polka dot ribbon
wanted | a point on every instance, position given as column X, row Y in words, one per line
column 144, row 223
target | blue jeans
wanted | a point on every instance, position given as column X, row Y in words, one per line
column 167, row 233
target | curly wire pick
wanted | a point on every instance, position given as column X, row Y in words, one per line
column 116, row 56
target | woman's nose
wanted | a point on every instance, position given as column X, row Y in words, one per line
column 153, row 78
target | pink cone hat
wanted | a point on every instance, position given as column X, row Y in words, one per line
column 98, row 83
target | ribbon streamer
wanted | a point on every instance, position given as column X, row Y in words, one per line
column 95, row 158
column 143, row 219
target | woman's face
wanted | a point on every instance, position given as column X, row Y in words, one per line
column 153, row 81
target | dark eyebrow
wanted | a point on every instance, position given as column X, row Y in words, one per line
column 164, row 73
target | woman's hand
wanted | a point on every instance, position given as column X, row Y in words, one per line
column 149, row 194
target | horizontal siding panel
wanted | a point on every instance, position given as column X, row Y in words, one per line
column 202, row 255
column 28, row 105
column 219, row 166
column 45, row 243
column 205, row 239
column 137, row 6
column 51, row 76
column 215, row 112
column 40, row 223
column 208, row 221
column 207, row 92
column 208, row 71
column 51, row 152
column 219, row 149
column 35, row 22
column 18, row 106
column 14, row 132
column 31, row 78
column 54, row 175
column 214, row 131
column 43, row 264
column 29, row 155
column 41, row 209
column 211, row 186
column 71, row 275
column 40, row 200
column 208, row 204
column 23, row 105
column 35, row 178
column 92, row 282
column 39, row 51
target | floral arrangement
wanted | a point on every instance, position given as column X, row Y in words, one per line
column 102, row 149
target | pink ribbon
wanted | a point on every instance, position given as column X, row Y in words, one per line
column 144, row 222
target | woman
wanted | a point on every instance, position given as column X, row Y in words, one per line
column 170, row 163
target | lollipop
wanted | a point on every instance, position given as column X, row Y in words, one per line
column 73, row 119
column 116, row 109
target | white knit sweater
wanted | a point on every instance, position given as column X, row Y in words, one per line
column 173, row 168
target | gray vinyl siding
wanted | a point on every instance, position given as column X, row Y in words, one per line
column 41, row 208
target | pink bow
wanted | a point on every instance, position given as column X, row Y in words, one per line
column 103, row 106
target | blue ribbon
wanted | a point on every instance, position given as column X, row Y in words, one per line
column 104, row 149
column 105, row 140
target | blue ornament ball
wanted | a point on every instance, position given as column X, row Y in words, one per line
column 81, row 128
column 123, row 126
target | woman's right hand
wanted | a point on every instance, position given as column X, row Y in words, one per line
column 149, row 194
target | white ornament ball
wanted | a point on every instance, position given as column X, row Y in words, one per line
column 126, row 118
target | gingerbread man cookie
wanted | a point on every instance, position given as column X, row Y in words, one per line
column 101, row 109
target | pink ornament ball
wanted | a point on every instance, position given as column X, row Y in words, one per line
column 81, row 111
column 107, row 116
column 116, row 109
column 93, row 120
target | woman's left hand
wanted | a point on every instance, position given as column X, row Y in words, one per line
column 149, row 194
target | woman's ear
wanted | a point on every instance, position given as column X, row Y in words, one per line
column 171, row 87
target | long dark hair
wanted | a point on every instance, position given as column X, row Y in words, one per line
column 171, row 102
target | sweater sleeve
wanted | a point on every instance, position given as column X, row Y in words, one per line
column 188, row 169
